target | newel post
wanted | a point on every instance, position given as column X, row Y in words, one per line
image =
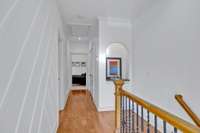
column 118, row 88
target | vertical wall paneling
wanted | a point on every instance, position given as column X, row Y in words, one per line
column 29, row 66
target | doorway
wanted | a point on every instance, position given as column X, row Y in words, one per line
column 79, row 69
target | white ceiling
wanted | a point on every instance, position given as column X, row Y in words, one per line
column 90, row 9
column 79, row 30
column 85, row 12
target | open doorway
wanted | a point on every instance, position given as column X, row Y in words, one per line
column 80, row 55
column 79, row 69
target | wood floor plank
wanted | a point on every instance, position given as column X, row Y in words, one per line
column 80, row 116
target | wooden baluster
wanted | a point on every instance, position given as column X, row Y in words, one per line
column 142, row 119
column 148, row 122
column 126, row 120
column 129, row 115
column 133, row 117
column 175, row 130
column 164, row 127
column 155, row 124
column 121, row 114
column 118, row 87
column 137, row 118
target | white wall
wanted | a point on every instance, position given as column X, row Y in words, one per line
column 166, row 54
column 79, row 47
column 69, row 66
column 93, row 70
column 29, row 66
column 111, row 31
column 64, row 68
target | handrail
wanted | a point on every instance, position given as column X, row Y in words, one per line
column 175, row 121
column 189, row 111
column 170, row 118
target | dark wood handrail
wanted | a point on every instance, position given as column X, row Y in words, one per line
column 189, row 111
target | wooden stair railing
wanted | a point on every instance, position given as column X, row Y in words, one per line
column 189, row 111
column 133, row 115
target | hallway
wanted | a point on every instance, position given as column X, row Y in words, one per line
column 80, row 116
column 49, row 46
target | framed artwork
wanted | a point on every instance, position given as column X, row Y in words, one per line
column 83, row 64
column 113, row 68
column 76, row 64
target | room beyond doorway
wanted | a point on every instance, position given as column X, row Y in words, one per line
column 79, row 69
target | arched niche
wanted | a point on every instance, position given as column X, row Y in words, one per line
column 119, row 51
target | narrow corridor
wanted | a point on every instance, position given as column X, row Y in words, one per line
column 80, row 116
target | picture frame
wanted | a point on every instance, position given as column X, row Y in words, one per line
column 83, row 64
column 76, row 64
column 113, row 68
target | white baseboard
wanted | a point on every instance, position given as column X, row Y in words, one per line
column 78, row 88
column 108, row 108
column 55, row 128
column 65, row 101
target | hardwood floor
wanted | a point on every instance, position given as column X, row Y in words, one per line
column 80, row 116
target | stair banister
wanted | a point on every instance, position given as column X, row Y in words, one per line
column 118, row 88
column 121, row 112
column 189, row 111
